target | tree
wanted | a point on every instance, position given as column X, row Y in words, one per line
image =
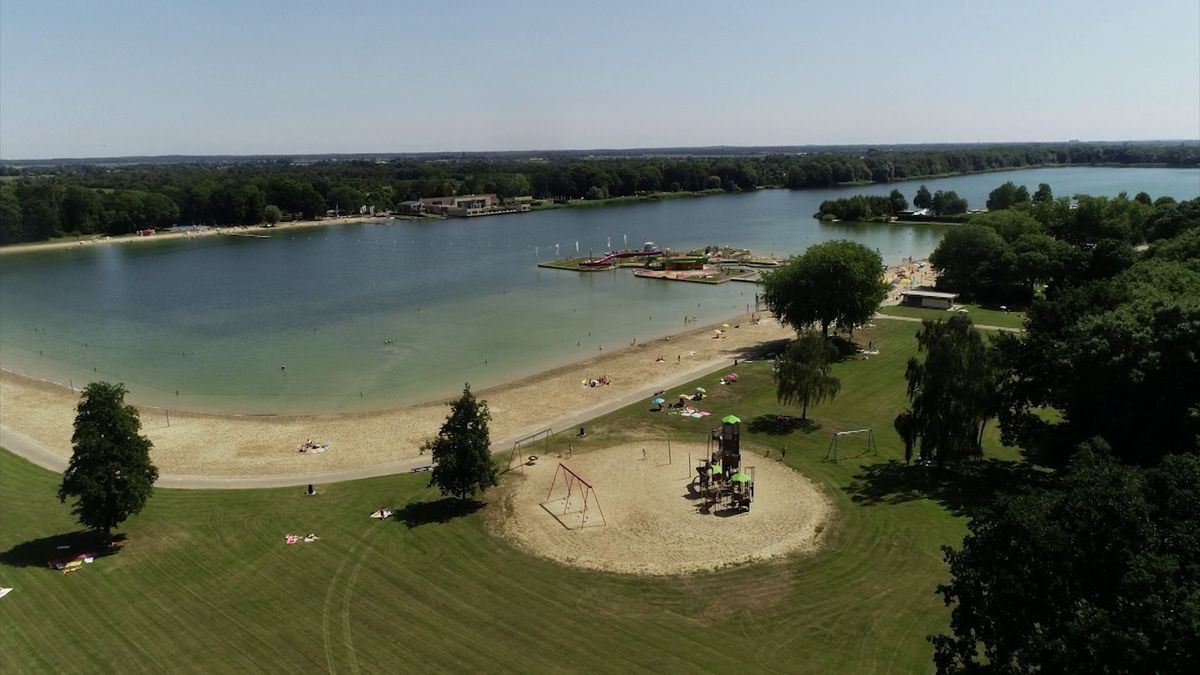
column 272, row 214
column 1006, row 196
column 836, row 283
column 110, row 474
column 952, row 392
column 1100, row 574
column 462, row 460
column 1044, row 194
column 899, row 203
column 1116, row 358
column 11, row 226
column 923, row 199
column 948, row 203
column 975, row 261
column 802, row 374
column 906, row 429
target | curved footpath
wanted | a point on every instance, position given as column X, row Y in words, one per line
column 24, row 446
column 199, row 450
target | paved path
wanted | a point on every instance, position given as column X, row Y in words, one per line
column 916, row 319
column 23, row 446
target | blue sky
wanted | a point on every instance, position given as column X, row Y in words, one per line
column 121, row 78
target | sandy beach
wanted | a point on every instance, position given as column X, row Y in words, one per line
column 103, row 240
column 225, row 446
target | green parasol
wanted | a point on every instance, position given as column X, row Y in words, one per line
column 740, row 477
column 731, row 419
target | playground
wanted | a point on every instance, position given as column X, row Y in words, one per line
column 643, row 517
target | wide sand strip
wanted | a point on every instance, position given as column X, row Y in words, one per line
column 38, row 416
column 643, row 519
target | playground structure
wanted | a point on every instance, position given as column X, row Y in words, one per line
column 547, row 436
column 581, row 491
column 831, row 455
column 720, row 480
column 649, row 526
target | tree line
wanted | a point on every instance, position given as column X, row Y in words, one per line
column 40, row 202
column 1093, row 565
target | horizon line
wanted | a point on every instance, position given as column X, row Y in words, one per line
column 670, row 149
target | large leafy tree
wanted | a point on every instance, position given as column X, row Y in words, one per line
column 1007, row 195
column 110, row 475
column 802, row 374
column 837, row 283
column 948, row 203
column 462, row 461
column 1116, row 358
column 1099, row 575
column 976, row 261
column 952, row 393
column 923, row 199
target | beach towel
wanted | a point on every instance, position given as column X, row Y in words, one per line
column 381, row 514
column 5, row 591
column 311, row 538
column 291, row 538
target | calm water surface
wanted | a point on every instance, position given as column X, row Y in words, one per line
column 206, row 324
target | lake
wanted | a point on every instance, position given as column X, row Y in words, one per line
column 207, row 324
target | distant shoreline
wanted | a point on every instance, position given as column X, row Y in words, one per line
column 101, row 240
column 80, row 241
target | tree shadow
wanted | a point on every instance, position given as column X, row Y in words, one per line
column 441, row 511
column 781, row 425
column 39, row 552
column 764, row 350
column 962, row 489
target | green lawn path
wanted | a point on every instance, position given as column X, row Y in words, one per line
column 205, row 582
column 982, row 317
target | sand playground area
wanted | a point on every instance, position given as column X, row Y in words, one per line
column 198, row 446
column 651, row 524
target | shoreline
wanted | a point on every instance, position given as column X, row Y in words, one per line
column 229, row 450
column 211, row 231
column 611, row 201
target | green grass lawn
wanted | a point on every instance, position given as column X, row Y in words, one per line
column 981, row 316
column 204, row 581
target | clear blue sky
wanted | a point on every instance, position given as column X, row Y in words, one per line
column 215, row 77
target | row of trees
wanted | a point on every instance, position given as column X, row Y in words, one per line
column 863, row 208
column 45, row 201
column 1047, row 244
column 1098, row 569
column 1096, row 566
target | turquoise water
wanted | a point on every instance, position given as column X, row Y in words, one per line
column 462, row 300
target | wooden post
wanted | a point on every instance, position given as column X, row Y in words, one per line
column 168, row 412
column 668, row 449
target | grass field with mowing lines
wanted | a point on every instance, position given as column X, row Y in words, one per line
column 204, row 581
column 981, row 316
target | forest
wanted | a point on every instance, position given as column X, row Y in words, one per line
column 41, row 200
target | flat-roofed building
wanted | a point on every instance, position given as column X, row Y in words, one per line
column 930, row 299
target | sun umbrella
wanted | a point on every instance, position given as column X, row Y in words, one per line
column 724, row 325
column 702, row 390
column 658, row 401
column 731, row 376
column 740, row 477
column 731, row 419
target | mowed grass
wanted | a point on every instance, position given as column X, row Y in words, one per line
column 204, row 581
column 981, row 316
